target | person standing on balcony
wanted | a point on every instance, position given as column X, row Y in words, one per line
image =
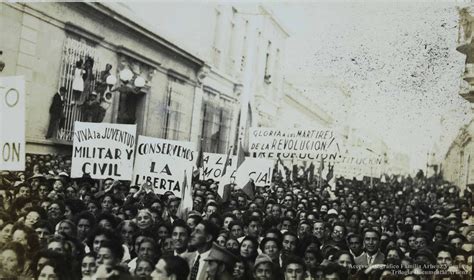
column 88, row 78
column 56, row 112
column 78, row 82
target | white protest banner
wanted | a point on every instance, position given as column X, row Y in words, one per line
column 258, row 169
column 103, row 150
column 303, row 144
column 12, row 123
column 360, row 156
column 359, row 162
column 162, row 163
column 213, row 165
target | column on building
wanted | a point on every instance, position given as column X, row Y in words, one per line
column 197, row 106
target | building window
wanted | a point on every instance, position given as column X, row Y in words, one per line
column 244, row 46
column 216, row 48
column 178, row 111
column 216, row 124
column 80, row 63
column 268, row 66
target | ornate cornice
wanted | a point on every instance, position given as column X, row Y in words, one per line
column 79, row 31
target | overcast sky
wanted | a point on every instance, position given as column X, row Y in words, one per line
column 398, row 60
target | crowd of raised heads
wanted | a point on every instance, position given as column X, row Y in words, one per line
column 55, row 227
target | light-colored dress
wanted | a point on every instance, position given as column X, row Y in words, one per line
column 78, row 82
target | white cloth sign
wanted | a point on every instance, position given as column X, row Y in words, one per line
column 213, row 165
column 12, row 123
column 304, row 144
column 103, row 150
column 163, row 163
column 359, row 162
column 258, row 169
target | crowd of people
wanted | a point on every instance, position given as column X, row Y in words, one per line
column 55, row 227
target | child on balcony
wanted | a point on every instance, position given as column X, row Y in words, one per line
column 78, row 82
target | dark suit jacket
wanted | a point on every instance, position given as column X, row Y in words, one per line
column 56, row 108
column 362, row 259
column 189, row 257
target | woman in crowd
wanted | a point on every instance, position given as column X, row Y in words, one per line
column 241, row 270
column 56, row 212
column 53, row 270
column 271, row 247
column 5, row 232
column 312, row 259
column 406, row 221
column 248, row 250
column 222, row 240
column 147, row 249
column 88, row 266
column 33, row 216
column 12, row 260
column 94, row 207
column 67, row 228
column 144, row 268
column 128, row 229
column 233, row 246
column 44, row 256
column 28, row 239
column 108, row 261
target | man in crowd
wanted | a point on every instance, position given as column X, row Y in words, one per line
column 354, row 242
column 201, row 241
column 180, row 235
column 294, row 269
column 220, row 264
column 372, row 254
column 411, row 221
column 263, row 268
column 56, row 112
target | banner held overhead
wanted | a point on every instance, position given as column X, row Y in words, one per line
column 103, row 150
column 162, row 163
column 12, row 123
column 304, row 144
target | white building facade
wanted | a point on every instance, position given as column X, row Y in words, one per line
column 243, row 46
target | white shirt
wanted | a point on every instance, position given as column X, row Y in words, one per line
column 201, row 263
column 132, row 265
column 179, row 255
column 371, row 259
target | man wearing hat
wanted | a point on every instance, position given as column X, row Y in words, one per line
column 35, row 181
column 263, row 268
column 220, row 263
column 202, row 239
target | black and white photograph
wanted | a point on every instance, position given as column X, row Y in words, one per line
column 237, row 139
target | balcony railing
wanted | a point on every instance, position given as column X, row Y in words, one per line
column 73, row 51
